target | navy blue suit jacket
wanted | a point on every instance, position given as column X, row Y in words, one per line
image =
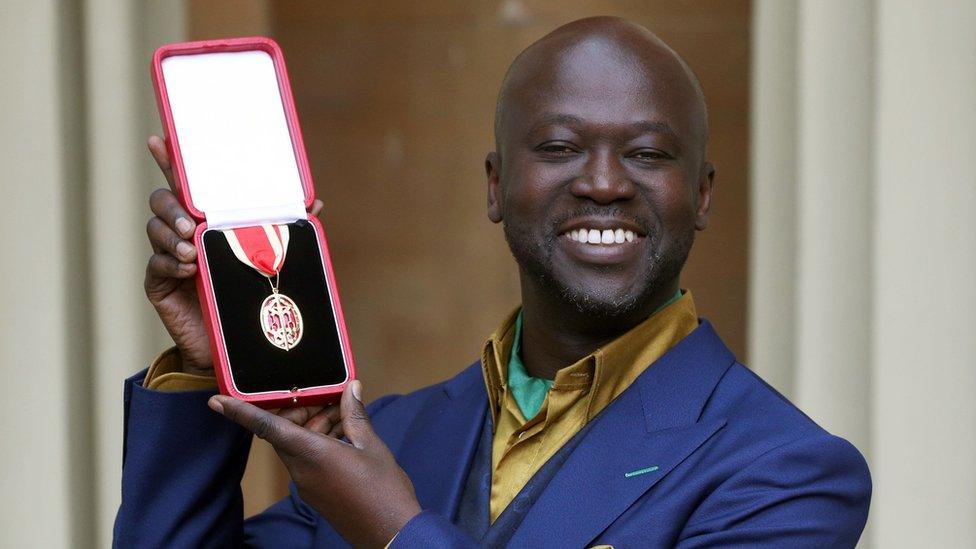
column 698, row 452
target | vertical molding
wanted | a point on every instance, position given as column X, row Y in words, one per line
column 924, row 377
column 116, row 248
column 78, row 291
column 117, row 42
column 36, row 403
column 812, row 184
column 773, row 193
column 834, row 212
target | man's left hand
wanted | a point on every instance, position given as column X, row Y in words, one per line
column 357, row 486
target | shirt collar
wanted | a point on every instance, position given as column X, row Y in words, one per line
column 608, row 371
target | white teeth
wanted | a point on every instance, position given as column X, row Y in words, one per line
column 604, row 236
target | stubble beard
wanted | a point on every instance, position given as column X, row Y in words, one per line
column 536, row 262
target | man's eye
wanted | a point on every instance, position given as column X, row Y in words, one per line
column 649, row 155
column 556, row 149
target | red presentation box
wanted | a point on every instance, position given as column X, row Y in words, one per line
column 239, row 161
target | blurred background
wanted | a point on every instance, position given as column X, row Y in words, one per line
column 840, row 261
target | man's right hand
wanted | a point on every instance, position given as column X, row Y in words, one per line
column 169, row 275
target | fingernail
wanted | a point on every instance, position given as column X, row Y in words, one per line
column 215, row 405
column 184, row 249
column 357, row 390
column 184, row 226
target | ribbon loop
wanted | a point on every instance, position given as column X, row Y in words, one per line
column 262, row 248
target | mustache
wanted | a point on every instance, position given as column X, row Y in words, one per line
column 612, row 212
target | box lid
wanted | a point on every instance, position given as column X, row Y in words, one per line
column 232, row 131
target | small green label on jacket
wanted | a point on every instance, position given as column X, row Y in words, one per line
column 641, row 471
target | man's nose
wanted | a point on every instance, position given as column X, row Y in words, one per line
column 604, row 180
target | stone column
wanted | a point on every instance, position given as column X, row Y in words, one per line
column 772, row 267
column 924, row 377
column 811, row 183
column 833, row 284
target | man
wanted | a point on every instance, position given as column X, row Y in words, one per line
column 602, row 412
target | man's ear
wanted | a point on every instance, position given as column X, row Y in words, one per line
column 706, row 184
column 492, row 170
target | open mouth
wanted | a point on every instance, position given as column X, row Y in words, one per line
column 602, row 240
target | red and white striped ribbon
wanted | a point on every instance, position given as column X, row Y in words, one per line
column 262, row 248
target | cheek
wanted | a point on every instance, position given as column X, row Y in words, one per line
column 530, row 194
column 678, row 210
column 671, row 208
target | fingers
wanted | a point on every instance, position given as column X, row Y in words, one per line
column 157, row 148
column 164, row 239
column 163, row 265
column 318, row 419
column 355, row 420
column 284, row 435
column 326, row 422
column 164, row 204
column 316, row 207
column 173, row 258
column 300, row 414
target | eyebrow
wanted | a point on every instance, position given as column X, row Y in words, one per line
column 646, row 126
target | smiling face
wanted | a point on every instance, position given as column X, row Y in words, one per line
column 599, row 178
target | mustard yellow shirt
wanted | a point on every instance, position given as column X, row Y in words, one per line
column 166, row 374
column 578, row 393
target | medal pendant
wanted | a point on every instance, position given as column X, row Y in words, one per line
column 281, row 321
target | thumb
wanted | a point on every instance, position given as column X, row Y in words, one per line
column 355, row 420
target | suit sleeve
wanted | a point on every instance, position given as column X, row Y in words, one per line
column 181, row 471
column 182, row 466
column 430, row 529
column 813, row 492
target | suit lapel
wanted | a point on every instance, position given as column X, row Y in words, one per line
column 442, row 439
column 634, row 443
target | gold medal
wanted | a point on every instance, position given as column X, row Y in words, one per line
column 263, row 249
column 281, row 321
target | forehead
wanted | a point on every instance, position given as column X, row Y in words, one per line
column 606, row 83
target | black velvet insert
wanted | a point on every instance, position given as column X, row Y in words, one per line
column 255, row 364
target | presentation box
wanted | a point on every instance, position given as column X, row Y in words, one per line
column 239, row 163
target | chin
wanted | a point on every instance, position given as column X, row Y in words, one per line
column 602, row 302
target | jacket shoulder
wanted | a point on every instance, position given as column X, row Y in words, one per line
column 759, row 419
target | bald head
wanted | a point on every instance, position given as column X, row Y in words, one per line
column 592, row 54
column 600, row 129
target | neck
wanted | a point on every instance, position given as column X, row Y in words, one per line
column 555, row 334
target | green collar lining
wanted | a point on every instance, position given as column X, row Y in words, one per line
column 530, row 392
